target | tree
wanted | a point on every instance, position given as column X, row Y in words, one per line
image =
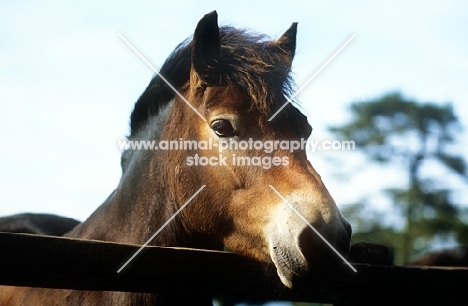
column 398, row 131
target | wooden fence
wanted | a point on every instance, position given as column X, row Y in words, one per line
column 56, row 262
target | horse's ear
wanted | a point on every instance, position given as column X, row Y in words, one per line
column 206, row 49
column 287, row 41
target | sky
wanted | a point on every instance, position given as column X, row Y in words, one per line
column 68, row 82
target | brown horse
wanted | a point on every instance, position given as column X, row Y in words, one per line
column 43, row 224
column 229, row 83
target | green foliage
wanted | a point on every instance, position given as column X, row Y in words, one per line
column 395, row 130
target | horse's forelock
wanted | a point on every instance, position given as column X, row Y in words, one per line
column 258, row 66
column 251, row 62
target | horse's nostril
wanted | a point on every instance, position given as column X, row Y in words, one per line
column 307, row 243
column 318, row 252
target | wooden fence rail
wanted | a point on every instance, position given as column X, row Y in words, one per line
column 56, row 262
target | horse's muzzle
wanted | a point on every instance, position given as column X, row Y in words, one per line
column 307, row 251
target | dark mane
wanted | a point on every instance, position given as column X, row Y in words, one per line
column 251, row 62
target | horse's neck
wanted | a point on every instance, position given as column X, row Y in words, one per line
column 142, row 203
column 132, row 214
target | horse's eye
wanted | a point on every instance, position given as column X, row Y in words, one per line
column 223, row 128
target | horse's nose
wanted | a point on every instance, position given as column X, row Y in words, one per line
column 325, row 246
